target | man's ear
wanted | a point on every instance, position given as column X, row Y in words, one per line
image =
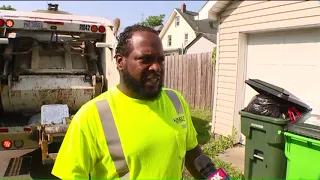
column 120, row 61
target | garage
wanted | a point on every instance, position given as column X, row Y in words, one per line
column 274, row 41
column 289, row 59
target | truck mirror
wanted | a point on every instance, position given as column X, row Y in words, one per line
column 4, row 41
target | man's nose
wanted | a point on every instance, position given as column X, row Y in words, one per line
column 155, row 66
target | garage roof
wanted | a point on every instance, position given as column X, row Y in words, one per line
column 219, row 6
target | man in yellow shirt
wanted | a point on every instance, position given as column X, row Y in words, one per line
column 136, row 130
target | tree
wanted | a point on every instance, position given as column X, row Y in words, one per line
column 213, row 56
column 9, row 7
column 153, row 21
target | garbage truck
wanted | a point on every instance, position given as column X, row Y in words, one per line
column 51, row 63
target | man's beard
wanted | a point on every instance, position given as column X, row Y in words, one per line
column 138, row 87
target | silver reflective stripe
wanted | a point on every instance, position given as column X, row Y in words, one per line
column 112, row 135
column 175, row 100
column 112, row 138
column 178, row 106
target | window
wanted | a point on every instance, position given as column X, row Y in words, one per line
column 169, row 40
column 177, row 20
column 186, row 38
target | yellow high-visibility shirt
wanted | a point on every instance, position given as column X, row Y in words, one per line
column 154, row 142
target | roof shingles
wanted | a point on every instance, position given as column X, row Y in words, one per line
column 205, row 26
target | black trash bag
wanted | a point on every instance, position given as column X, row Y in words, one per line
column 264, row 105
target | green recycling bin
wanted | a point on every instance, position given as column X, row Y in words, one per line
column 264, row 146
column 264, row 149
column 302, row 148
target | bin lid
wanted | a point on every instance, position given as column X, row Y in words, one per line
column 265, row 88
column 308, row 126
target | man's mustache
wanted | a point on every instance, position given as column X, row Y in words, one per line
column 152, row 75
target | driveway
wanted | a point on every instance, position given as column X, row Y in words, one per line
column 23, row 164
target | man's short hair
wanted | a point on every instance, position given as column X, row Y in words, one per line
column 123, row 46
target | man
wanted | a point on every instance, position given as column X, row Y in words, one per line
column 136, row 130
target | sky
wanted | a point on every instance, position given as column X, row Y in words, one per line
column 129, row 12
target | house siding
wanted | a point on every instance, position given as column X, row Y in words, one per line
column 202, row 45
column 250, row 16
column 177, row 34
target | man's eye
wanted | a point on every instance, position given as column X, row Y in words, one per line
column 146, row 59
column 152, row 59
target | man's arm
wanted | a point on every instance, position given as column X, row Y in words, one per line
column 74, row 159
column 191, row 155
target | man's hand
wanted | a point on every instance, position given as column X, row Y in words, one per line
column 190, row 157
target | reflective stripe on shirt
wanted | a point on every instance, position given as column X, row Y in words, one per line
column 175, row 100
column 113, row 139
column 112, row 135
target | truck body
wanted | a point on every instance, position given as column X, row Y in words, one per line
column 51, row 63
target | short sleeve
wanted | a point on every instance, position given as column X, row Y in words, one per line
column 192, row 134
column 74, row 159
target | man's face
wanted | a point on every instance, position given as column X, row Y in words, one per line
column 143, row 69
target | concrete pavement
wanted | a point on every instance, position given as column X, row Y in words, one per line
column 24, row 164
column 235, row 156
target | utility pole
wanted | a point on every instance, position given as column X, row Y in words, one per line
column 142, row 19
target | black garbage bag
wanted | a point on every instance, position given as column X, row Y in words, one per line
column 264, row 105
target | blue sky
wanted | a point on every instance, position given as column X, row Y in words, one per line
column 129, row 12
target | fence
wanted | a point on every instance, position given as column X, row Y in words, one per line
column 193, row 76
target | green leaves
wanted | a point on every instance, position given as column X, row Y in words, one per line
column 9, row 7
column 153, row 21
column 214, row 52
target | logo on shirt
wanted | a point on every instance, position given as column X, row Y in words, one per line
column 179, row 119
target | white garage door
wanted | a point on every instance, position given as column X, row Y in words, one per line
column 289, row 59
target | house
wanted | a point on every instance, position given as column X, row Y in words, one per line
column 203, row 43
column 183, row 27
column 158, row 28
column 274, row 41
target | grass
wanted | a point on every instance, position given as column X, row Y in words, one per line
column 201, row 120
column 211, row 146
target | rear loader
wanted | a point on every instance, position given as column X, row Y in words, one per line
column 51, row 63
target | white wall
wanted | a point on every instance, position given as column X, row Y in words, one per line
column 244, row 17
column 203, row 45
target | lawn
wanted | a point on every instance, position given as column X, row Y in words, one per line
column 210, row 146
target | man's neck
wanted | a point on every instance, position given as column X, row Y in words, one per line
column 123, row 88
